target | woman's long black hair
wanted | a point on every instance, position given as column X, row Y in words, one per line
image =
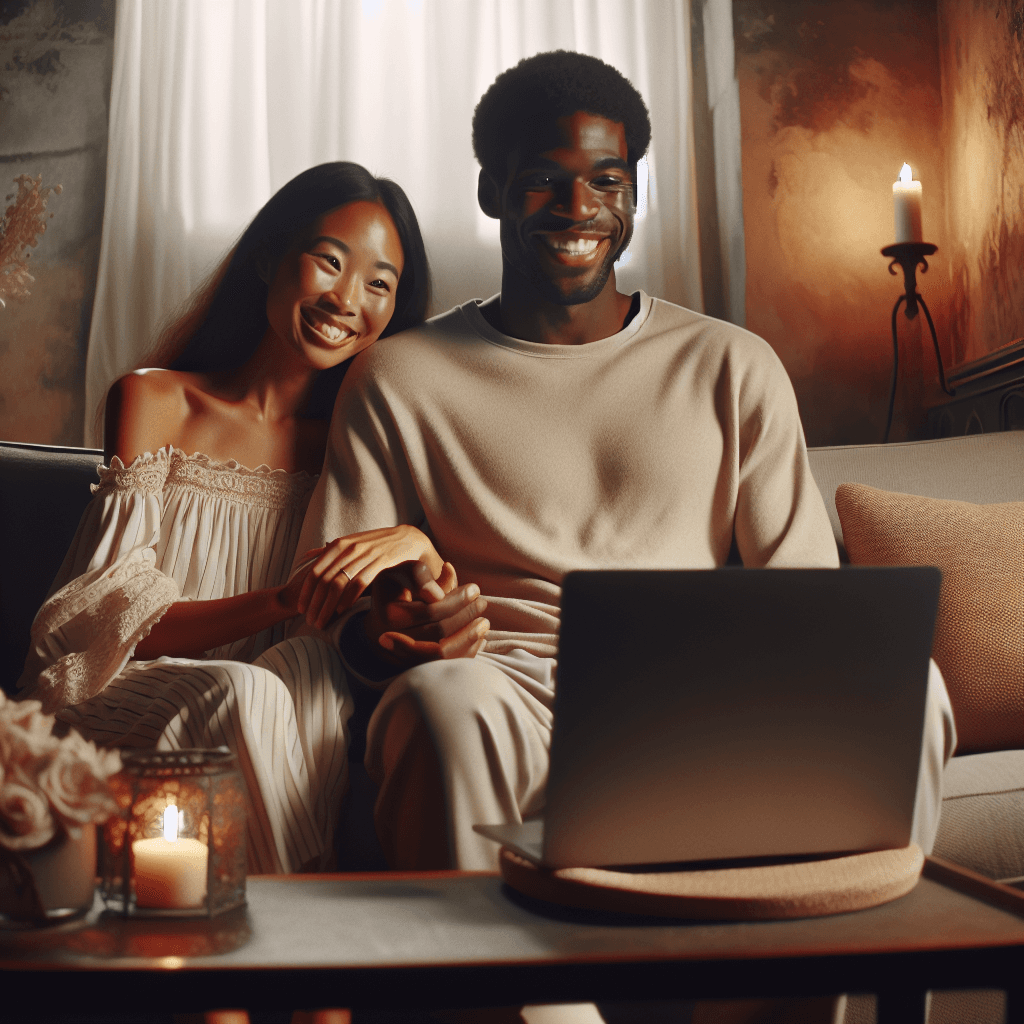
column 227, row 318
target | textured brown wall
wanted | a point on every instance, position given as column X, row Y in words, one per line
column 55, row 65
column 982, row 61
column 834, row 98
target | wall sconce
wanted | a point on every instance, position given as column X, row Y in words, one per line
column 178, row 847
column 909, row 251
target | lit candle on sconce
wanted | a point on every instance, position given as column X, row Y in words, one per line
column 906, row 199
column 170, row 872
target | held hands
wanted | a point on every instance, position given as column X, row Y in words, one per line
column 343, row 569
column 414, row 618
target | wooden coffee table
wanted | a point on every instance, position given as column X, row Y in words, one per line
column 451, row 939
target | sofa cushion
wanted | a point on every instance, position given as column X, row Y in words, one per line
column 983, row 795
column 979, row 635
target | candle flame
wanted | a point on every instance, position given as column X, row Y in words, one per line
column 171, row 823
column 905, row 174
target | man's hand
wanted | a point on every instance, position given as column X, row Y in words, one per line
column 414, row 618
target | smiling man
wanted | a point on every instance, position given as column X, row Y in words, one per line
column 559, row 425
column 565, row 199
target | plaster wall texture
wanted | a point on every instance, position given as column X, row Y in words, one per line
column 834, row 98
column 55, row 67
column 982, row 65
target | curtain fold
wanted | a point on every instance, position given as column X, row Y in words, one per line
column 217, row 103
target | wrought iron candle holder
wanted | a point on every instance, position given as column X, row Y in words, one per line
column 178, row 847
column 910, row 255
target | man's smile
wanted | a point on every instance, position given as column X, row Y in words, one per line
column 572, row 249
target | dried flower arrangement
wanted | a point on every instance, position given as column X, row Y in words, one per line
column 23, row 222
column 48, row 786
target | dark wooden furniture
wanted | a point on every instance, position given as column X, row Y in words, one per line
column 988, row 395
column 452, row 939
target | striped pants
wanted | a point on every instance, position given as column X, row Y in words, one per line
column 284, row 716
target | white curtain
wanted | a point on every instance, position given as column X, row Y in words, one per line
column 217, row 103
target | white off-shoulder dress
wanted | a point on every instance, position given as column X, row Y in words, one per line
column 173, row 527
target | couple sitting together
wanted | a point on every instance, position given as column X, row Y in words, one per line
column 559, row 425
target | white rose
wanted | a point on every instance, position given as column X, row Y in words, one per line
column 26, row 735
column 25, row 819
column 75, row 781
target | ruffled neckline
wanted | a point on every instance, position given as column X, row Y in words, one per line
column 169, row 454
column 168, row 467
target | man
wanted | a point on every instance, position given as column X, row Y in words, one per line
column 560, row 425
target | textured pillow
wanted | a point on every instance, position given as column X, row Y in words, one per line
column 979, row 636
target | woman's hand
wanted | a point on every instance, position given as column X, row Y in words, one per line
column 287, row 595
column 342, row 570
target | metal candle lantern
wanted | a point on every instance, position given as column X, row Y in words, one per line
column 178, row 847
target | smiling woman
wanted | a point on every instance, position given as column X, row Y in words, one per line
column 165, row 627
column 333, row 293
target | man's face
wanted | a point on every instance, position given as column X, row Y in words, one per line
column 566, row 209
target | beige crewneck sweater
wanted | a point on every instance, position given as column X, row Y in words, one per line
column 523, row 461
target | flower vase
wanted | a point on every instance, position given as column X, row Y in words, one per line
column 50, row 885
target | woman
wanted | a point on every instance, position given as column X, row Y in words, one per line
column 165, row 626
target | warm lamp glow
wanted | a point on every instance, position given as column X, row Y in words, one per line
column 906, row 175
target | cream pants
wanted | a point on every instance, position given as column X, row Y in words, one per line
column 464, row 742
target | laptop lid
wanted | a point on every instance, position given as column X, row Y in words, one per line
column 736, row 713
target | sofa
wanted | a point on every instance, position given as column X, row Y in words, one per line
column 43, row 491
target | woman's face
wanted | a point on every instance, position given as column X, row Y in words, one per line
column 333, row 291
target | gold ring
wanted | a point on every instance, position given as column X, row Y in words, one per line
column 349, row 578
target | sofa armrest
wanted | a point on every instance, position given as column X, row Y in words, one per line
column 43, row 492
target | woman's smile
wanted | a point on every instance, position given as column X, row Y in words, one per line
column 323, row 326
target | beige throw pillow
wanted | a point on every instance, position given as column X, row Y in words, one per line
column 979, row 636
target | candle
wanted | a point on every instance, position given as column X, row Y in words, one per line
column 170, row 872
column 906, row 200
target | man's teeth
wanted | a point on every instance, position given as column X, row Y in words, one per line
column 577, row 246
column 330, row 331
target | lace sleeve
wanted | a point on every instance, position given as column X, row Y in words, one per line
column 124, row 514
column 109, row 592
column 84, row 634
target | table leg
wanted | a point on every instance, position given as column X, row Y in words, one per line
column 1015, row 1005
column 902, row 1006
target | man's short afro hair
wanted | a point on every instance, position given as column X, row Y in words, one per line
column 547, row 86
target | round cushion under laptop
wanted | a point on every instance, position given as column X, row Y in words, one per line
column 796, row 889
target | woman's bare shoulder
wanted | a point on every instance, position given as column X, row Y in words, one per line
column 146, row 410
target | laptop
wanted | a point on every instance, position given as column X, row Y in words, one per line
column 708, row 715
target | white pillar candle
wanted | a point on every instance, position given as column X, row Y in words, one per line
column 170, row 872
column 906, row 201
